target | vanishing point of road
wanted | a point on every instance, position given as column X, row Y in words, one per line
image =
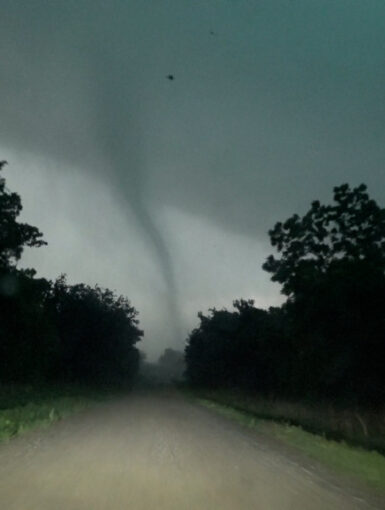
column 163, row 452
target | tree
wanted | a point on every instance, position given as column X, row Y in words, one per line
column 171, row 364
column 14, row 236
column 52, row 331
column 27, row 337
column 26, row 340
column 332, row 267
column 97, row 332
column 350, row 231
column 242, row 349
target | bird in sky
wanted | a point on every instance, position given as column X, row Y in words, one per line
column 170, row 77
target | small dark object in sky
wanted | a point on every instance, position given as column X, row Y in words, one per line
column 170, row 76
column 212, row 32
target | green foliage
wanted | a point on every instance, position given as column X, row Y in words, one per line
column 358, row 427
column 25, row 407
column 14, row 236
column 27, row 338
column 238, row 349
column 366, row 466
column 352, row 230
column 52, row 331
column 332, row 267
column 96, row 331
column 60, row 332
column 327, row 342
column 20, row 419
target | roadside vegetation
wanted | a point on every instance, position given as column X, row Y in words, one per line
column 317, row 361
column 367, row 467
column 25, row 407
column 62, row 346
column 358, row 427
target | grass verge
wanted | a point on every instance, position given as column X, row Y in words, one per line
column 357, row 427
column 368, row 467
column 25, row 407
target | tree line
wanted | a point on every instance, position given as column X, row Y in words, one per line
column 51, row 331
column 327, row 341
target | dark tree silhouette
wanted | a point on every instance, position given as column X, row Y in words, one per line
column 97, row 332
column 332, row 267
column 52, row 331
column 352, row 230
column 237, row 349
column 14, row 236
column 171, row 362
column 327, row 342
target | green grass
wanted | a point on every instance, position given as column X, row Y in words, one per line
column 366, row 466
column 358, row 427
column 26, row 407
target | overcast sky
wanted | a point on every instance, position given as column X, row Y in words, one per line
column 165, row 189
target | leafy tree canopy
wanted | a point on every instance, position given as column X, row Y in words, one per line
column 97, row 332
column 14, row 236
column 350, row 231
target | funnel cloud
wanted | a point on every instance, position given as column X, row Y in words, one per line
column 155, row 143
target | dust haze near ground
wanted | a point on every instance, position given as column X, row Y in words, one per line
column 159, row 451
column 273, row 103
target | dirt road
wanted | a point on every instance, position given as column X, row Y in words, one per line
column 157, row 451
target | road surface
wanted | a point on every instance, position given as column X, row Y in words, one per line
column 158, row 451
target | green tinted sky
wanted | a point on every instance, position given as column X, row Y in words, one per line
column 164, row 188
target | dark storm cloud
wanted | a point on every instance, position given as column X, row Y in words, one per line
column 86, row 110
column 283, row 102
column 288, row 94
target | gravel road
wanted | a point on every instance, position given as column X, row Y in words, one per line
column 158, row 451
